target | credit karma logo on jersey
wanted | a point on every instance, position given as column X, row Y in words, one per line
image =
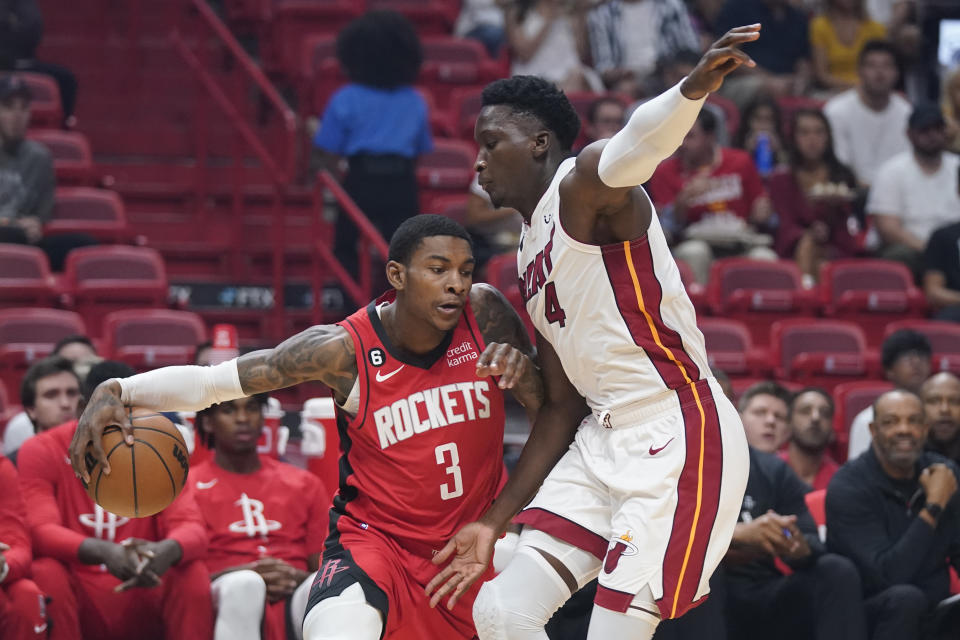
column 431, row 409
column 464, row 352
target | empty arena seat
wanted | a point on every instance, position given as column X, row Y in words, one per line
column 757, row 293
column 450, row 63
column 25, row 276
column 730, row 348
column 72, row 157
column 501, row 272
column 871, row 293
column 430, row 17
column 291, row 21
column 696, row 291
column 97, row 212
column 465, row 105
column 849, row 399
column 110, row 278
column 149, row 338
column 454, row 207
column 27, row 334
column 740, row 385
column 819, row 352
column 447, row 170
column 944, row 340
column 46, row 110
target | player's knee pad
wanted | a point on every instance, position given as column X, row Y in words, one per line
column 239, row 590
column 347, row 616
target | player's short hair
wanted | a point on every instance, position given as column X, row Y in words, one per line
column 411, row 232
column 765, row 388
column 104, row 370
column 380, row 49
column 41, row 369
column 822, row 392
column 900, row 343
column 73, row 339
column 881, row 46
column 538, row 98
column 206, row 437
column 707, row 121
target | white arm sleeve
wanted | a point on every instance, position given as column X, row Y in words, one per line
column 188, row 388
column 651, row 135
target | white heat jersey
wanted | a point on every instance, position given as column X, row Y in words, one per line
column 617, row 315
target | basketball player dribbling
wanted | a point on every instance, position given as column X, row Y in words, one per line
column 645, row 491
column 420, row 417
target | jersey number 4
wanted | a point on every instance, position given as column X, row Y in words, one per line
column 552, row 309
column 447, row 493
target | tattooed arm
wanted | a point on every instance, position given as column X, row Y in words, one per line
column 509, row 352
column 322, row 353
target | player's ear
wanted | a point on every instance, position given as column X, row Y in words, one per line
column 541, row 143
column 396, row 275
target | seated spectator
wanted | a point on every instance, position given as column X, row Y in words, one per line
column 941, row 404
column 378, row 122
column 814, row 197
column 79, row 350
column 916, row 191
column 893, row 511
column 869, row 122
column 482, row 20
column 941, row 275
column 23, row 610
column 266, row 523
column 950, row 104
column 905, row 356
column 605, row 116
column 628, row 37
column 761, row 119
column 763, row 410
column 154, row 577
column 547, row 38
column 810, row 425
column 50, row 396
column 782, row 54
column 837, row 36
column 821, row 597
column 717, row 187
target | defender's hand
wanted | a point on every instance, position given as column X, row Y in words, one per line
column 722, row 58
column 103, row 410
column 473, row 545
column 504, row 360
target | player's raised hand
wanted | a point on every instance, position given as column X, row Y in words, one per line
column 723, row 57
column 504, row 360
column 472, row 551
column 103, row 409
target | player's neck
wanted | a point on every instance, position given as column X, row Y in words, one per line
column 237, row 462
column 528, row 202
column 409, row 333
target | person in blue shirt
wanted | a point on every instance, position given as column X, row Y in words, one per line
column 378, row 122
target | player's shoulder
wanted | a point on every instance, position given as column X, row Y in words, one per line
column 485, row 297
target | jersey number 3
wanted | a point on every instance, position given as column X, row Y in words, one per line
column 552, row 309
column 446, row 493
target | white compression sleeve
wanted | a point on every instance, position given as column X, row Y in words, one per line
column 651, row 135
column 188, row 388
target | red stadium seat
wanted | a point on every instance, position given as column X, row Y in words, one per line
column 871, row 293
column 730, row 112
column 849, row 399
column 581, row 101
column 944, row 339
column 430, row 17
column 98, row 212
column 111, row 278
column 454, row 207
column 46, row 110
column 72, row 157
column 447, row 170
column 25, row 277
column 696, row 291
column 730, row 348
column 294, row 20
column 149, row 338
column 451, row 63
column 27, row 334
column 789, row 105
column 821, row 353
column 464, row 108
column 501, row 272
column 758, row 292
column 742, row 384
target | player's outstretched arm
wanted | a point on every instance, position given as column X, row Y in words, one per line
column 509, row 352
column 323, row 353
column 553, row 431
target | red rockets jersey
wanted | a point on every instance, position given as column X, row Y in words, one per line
column 278, row 511
column 423, row 456
column 61, row 515
column 13, row 524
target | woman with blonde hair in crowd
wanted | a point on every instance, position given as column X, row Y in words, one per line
column 950, row 103
column 836, row 37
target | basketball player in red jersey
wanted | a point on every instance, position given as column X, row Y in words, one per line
column 420, row 421
column 120, row 577
column 264, row 518
column 645, row 491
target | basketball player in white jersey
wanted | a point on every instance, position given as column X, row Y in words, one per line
column 644, row 491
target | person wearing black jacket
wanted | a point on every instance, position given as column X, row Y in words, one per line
column 821, row 597
column 894, row 511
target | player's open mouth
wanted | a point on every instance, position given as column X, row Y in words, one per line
column 450, row 308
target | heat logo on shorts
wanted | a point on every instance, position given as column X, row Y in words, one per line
column 621, row 546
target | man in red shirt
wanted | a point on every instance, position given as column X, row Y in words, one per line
column 265, row 520
column 810, row 424
column 126, row 577
column 712, row 187
column 23, row 612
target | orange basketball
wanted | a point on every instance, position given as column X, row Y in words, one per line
column 146, row 477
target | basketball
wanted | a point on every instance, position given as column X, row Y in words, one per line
column 146, row 477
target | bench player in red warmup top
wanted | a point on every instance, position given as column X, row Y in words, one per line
column 420, row 419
